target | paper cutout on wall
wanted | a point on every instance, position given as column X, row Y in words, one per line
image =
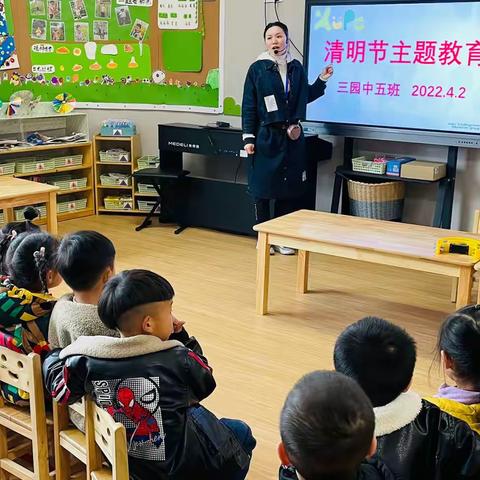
column 182, row 51
column 136, row 3
column 178, row 14
column 64, row 103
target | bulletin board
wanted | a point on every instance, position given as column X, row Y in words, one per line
column 137, row 54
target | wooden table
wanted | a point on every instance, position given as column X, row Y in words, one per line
column 15, row 192
column 387, row 243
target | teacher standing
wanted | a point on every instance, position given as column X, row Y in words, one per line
column 275, row 98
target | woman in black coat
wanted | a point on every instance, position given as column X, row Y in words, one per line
column 275, row 98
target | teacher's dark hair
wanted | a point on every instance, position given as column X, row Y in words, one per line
column 275, row 24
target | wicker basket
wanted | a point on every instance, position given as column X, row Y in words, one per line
column 68, row 182
column 147, row 205
column 2, row 217
column 68, row 160
column 383, row 201
column 148, row 161
column 115, row 180
column 361, row 164
column 146, row 188
column 118, row 203
column 32, row 165
column 7, row 168
column 115, row 155
column 71, row 205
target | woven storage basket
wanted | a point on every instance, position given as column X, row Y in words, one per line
column 71, row 205
column 148, row 161
column 68, row 182
column 146, row 188
column 115, row 179
column 383, row 201
column 2, row 217
column 32, row 165
column 118, row 203
column 116, row 155
column 7, row 168
column 360, row 164
column 68, row 160
column 147, row 205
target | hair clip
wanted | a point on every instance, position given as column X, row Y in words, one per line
column 39, row 253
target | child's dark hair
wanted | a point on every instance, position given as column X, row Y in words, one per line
column 83, row 257
column 12, row 229
column 275, row 24
column 459, row 338
column 29, row 258
column 379, row 355
column 327, row 426
column 130, row 289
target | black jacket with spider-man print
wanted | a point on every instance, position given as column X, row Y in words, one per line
column 154, row 388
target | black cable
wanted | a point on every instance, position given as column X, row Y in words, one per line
column 265, row 12
column 238, row 169
column 290, row 40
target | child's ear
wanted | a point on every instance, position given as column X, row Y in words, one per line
column 446, row 359
column 282, row 454
column 373, row 447
column 107, row 274
column 147, row 325
column 53, row 278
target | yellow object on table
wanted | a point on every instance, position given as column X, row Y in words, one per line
column 461, row 245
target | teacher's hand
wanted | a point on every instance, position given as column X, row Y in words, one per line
column 250, row 148
column 327, row 72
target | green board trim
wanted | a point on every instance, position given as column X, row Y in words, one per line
column 129, row 85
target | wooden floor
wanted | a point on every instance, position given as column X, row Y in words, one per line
column 257, row 359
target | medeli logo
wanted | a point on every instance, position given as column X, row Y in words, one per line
column 184, row 145
column 324, row 20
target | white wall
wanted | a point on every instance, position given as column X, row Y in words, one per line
column 244, row 22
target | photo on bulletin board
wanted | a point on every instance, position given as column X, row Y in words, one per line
column 115, row 54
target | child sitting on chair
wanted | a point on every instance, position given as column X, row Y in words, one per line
column 11, row 230
column 85, row 260
column 327, row 426
column 152, row 384
column 415, row 438
column 459, row 349
column 25, row 301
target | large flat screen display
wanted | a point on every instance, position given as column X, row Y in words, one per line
column 397, row 65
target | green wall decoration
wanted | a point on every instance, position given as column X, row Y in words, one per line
column 182, row 50
column 112, row 55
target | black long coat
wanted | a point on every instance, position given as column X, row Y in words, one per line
column 279, row 165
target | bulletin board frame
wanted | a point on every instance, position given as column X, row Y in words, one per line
column 207, row 85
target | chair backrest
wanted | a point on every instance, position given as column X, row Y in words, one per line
column 68, row 440
column 25, row 373
column 108, row 437
column 476, row 222
column 17, row 369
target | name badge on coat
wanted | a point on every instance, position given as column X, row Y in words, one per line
column 271, row 103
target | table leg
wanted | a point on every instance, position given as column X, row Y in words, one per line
column 9, row 216
column 464, row 290
column 337, row 190
column 263, row 273
column 52, row 225
column 302, row 271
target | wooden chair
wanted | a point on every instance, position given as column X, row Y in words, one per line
column 105, row 437
column 68, row 440
column 24, row 372
column 475, row 229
